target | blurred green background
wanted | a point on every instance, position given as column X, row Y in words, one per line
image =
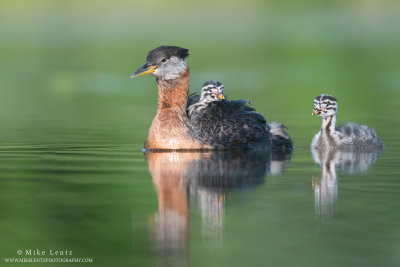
column 62, row 59
column 73, row 122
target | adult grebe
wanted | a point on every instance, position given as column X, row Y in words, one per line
column 349, row 137
column 227, row 124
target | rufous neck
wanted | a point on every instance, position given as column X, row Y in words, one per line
column 173, row 93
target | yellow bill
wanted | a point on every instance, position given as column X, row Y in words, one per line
column 145, row 69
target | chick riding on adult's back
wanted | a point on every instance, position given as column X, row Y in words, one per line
column 230, row 125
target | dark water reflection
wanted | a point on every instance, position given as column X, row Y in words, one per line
column 326, row 187
column 204, row 177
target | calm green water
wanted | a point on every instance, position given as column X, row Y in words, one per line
column 73, row 177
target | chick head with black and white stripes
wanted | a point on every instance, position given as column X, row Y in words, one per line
column 325, row 105
column 212, row 91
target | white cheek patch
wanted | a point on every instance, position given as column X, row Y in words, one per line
column 172, row 70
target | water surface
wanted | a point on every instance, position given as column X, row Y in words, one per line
column 73, row 176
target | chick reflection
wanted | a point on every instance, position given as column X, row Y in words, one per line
column 326, row 188
column 203, row 177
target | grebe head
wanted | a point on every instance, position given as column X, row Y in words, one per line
column 212, row 91
column 166, row 62
column 325, row 105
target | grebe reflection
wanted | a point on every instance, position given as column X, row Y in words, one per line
column 326, row 187
column 203, row 178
